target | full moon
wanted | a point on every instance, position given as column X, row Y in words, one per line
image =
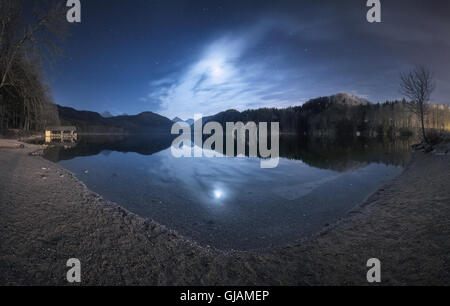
column 218, row 193
column 217, row 70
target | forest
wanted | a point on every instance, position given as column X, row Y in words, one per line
column 344, row 115
column 27, row 36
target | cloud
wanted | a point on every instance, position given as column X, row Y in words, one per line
column 229, row 73
column 281, row 61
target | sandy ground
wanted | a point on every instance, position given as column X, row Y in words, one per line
column 48, row 216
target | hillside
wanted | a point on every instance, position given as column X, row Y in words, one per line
column 189, row 121
column 338, row 115
column 342, row 115
column 92, row 122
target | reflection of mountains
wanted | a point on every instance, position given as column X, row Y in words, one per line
column 345, row 156
column 94, row 145
column 317, row 153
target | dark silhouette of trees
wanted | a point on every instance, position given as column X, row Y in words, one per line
column 338, row 117
column 28, row 29
column 418, row 85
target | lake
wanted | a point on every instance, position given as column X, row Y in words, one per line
column 231, row 203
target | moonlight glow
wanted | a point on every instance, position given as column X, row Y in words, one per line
column 218, row 193
column 217, row 70
column 209, row 57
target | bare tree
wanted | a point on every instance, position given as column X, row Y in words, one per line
column 29, row 30
column 27, row 39
column 418, row 85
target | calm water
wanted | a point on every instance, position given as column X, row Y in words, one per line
column 232, row 202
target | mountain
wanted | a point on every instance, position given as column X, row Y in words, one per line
column 189, row 121
column 340, row 99
column 92, row 122
column 274, row 114
column 107, row 114
column 347, row 99
column 320, row 116
column 338, row 115
column 341, row 115
column 143, row 122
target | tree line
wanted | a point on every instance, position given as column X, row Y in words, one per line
column 341, row 115
column 28, row 33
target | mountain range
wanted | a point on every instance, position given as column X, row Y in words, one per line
column 189, row 121
column 341, row 114
column 92, row 122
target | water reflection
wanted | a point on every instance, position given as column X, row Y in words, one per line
column 89, row 145
column 232, row 202
column 321, row 153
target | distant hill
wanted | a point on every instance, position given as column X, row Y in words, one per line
column 338, row 115
column 92, row 122
column 343, row 99
column 342, row 114
column 107, row 114
column 189, row 121
column 274, row 114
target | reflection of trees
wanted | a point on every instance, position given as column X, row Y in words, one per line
column 316, row 152
column 94, row 145
column 345, row 155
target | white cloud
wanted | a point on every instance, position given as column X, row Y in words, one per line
column 224, row 77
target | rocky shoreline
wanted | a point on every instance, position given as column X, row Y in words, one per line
column 48, row 216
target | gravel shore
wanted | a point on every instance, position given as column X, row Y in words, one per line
column 48, row 216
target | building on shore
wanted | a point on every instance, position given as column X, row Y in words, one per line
column 61, row 133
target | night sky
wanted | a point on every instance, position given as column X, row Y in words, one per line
column 178, row 58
